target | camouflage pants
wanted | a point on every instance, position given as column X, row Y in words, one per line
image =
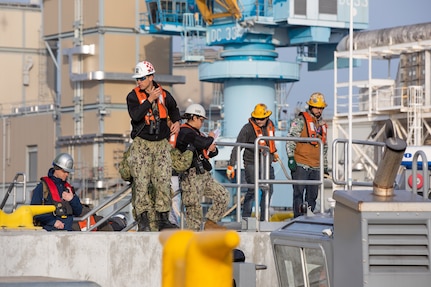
column 152, row 216
column 150, row 163
column 195, row 186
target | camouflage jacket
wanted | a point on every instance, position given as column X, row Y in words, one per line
column 297, row 127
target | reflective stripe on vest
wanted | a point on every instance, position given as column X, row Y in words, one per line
column 270, row 130
column 173, row 140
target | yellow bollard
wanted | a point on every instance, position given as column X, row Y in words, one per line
column 209, row 259
column 23, row 216
column 174, row 257
column 281, row 216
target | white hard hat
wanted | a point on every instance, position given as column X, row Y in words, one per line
column 143, row 69
column 64, row 161
column 196, row 109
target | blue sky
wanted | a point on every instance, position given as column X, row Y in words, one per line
column 382, row 14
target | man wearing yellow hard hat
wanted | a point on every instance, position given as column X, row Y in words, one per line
column 304, row 157
column 258, row 125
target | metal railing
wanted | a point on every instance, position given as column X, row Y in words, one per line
column 116, row 197
column 261, row 177
column 12, row 188
column 368, row 163
column 425, row 173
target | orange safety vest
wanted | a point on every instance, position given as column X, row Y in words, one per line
column 311, row 125
column 270, row 129
column 52, row 188
column 163, row 111
column 83, row 224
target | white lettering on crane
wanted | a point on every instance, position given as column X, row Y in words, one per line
column 229, row 33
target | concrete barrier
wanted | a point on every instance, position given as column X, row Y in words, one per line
column 110, row 259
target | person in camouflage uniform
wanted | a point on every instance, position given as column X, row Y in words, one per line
column 180, row 163
column 197, row 181
column 149, row 107
column 304, row 157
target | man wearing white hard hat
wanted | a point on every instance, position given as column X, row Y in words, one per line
column 150, row 106
column 197, row 180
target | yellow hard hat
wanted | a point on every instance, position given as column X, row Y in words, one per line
column 317, row 100
column 261, row 111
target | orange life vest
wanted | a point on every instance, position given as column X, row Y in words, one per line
column 53, row 190
column 163, row 111
column 83, row 224
column 270, row 130
column 313, row 127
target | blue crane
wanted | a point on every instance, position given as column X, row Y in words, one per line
column 249, row 32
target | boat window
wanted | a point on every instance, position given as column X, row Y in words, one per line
column 300, row 267
column 315, row 266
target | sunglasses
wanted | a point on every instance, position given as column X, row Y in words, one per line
column 141, row 79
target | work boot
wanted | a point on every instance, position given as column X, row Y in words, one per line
column 143, row 222
column 163, row 221
column 211, row 225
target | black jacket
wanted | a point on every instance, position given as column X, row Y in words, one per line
column 137, row 112
column 191, row 138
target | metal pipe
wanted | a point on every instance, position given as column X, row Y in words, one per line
column 383, row 184
column 387, row 37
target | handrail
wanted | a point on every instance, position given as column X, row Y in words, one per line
column 111, row 200
column 335, row 169
column 12, row 186
column 308, row 182
column 425, row 173
column 106, row 218
column 238, row 185
column 261, row 182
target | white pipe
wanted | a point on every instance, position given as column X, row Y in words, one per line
column 349, row 151
column 4, row 154
column 386, row 37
